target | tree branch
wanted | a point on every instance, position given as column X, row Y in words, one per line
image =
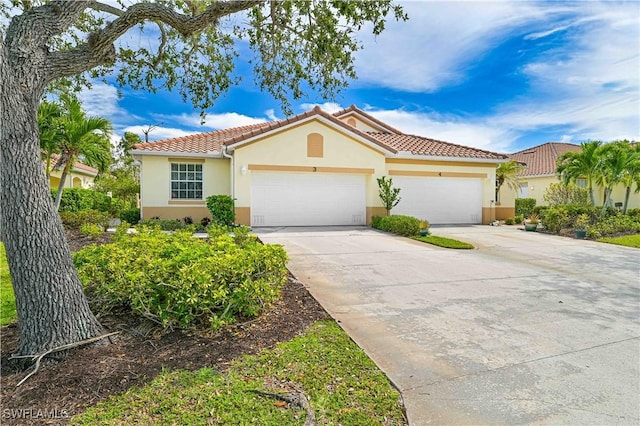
column 99, row 49
column 101, row 7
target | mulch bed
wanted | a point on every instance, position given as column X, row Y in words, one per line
column 136, row 355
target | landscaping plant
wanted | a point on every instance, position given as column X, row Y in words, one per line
column 407, row 226
column 222, row 209
column 177, row 280
column 524, row 206
column 389, row 195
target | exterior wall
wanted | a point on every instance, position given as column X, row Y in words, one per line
column 287, row 151
column 74, row 180
column 359, row 124
column 537, row 187
column 155, row 186
column 484, row 171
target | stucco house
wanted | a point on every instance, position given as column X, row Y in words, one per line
column 80, row 175
column 540, row 172
column 317, row 168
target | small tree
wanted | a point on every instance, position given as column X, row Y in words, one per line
column 389, row 195
column 507, row 173
column 561, row 193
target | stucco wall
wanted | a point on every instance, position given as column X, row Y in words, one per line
column 155, row 186
column 290, row 149
column 537, row 187
column 80, row 180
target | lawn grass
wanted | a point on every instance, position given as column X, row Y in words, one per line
column 625, row 240
column 7, row 300
column 343, row 386
column 444, row 242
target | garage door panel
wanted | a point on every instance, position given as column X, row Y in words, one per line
column 440, row 200
column 307, row 199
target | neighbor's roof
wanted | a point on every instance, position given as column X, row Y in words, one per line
column 77, row 166
column 393, row 141
column 541, row 159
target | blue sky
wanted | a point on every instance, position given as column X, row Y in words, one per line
column 497, row 75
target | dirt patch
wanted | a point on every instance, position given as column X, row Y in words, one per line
column 65, row 387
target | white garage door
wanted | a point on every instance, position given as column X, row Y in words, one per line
column 440, row 200
column 307, row 199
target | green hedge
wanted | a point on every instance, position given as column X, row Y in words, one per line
column 614, row 225
column 131, row 216
column 79, row 199
column 75, row 220
column 524, row 206
column 182, row 281
column 222, row 209
column 407, row 226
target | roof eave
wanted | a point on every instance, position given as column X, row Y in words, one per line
column 449, row 158
column 148, row 152
column 343, row 128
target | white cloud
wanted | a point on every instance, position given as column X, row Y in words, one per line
column 329, row 107
column 271, row 114
column 101, row 100
column 440, row 40
column 224, row 120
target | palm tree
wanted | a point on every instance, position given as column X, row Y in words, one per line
column 508, row 173
column 49, row 114
column 630, row 160
column 582, row 164
column 613, row 167
column 84, row 138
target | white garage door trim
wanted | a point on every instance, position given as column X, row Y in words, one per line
column 440, row 200
column 307, row 199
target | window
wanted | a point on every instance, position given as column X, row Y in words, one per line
column 582, row 183
column 523, row 190
column 186, row 181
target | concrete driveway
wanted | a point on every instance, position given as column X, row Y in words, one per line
column 527, row 328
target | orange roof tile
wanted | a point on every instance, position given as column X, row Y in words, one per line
column 419, row 145
column 541, row 160
column 76, row 166
column 203, row 143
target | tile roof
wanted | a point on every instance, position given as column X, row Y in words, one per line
column 371, row 118
column 76, row 166
column 392, row 141
column 419, row 145
column 541, row 159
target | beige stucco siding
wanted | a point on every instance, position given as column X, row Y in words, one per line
column 290, row 149
column 537, row 187
column 73, row 180
column 156, row 181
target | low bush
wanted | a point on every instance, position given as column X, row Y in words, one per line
column 163, row 224
column 181, row 281
column 91, row 230
column 560, row 193
column 524, row 206
column 130, row 216
column 613, row 226
column 509, row 221
column 375, row 221
column 222, row 209
column 633, row 213
column 518, row 219
column 74, row 220
column 539, row 210
column 79, row 199
column 402, row 225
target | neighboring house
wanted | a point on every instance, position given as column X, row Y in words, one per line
column 316, row 169
column 80, row 175
column 540, row 172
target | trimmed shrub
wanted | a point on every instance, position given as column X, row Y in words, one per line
column 614, row 225
column 509, row 221
column 130, row 216
column 633, row 213
column 524, row 206
column 181, row 281
column 163, row 224
column 375, row 221
column 222, row 209
column 79, row 199
column 74, row 220
column 407, row 226
column 518, row 219
column 91, row 230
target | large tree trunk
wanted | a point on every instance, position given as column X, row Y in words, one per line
column 51, row 306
